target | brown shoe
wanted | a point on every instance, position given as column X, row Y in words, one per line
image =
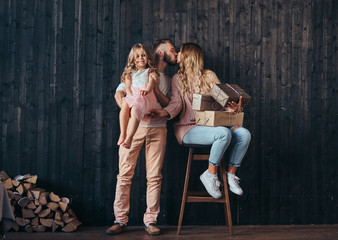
column 152, row 229
column 116, row 229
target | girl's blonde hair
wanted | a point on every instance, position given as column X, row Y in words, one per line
column 191, row 66
column 131, row 65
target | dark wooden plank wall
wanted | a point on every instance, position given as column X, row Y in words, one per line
column 61, row 62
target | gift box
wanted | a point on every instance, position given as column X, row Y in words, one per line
column 224, row 93
column 205, row 102
column 219, row 118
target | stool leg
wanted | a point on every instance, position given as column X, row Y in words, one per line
column 185, row 191
column 227, row 211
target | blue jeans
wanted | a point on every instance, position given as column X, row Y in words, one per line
column 220, row 138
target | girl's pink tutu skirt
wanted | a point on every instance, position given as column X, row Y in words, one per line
column 141, row 104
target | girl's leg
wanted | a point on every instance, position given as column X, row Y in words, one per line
column 150, row 84
column 133, row 125
column 124, row 118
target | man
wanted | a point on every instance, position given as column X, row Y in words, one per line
column 153, row 135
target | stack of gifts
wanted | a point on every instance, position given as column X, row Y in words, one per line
column 210, row 108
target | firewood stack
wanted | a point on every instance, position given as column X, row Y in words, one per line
column 35, row 209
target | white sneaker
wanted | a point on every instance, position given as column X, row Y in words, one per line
column 211, row 185
column 233, row 182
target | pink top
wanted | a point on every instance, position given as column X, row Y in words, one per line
column 183, row 105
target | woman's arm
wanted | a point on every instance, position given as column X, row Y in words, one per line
column 161, row 98
column 176, row 101
column 175, row 104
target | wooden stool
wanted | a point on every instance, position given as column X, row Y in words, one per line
column 203, row 196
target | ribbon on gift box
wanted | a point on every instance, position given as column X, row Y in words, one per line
column 238, row 94
column 218, row 93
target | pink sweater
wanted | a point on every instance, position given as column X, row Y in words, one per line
column 183, row 105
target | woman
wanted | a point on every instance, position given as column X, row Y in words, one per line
column 192, row 78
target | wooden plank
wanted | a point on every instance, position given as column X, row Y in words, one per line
column 89, row 153
column 285, row 106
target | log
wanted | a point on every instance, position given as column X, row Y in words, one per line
column 43, row 198
column 64, row 203
column 38, row 209
column 44, row 213
column 21, row 177
column 53, row 197
column 36, row 202
column 70, row 227
column 50, row 215
column 23, row 202
column 35, row 221
column 10, row 194
column 37, row 191
column 55, row 227
column 65, row 200
column 29, row 228
column 46, row 222
column 58, row 222
column 17, row 196
column 31, row 205
column 76, row 222
column 3, row 176
column 8, row 183
column 39, row 228
column 20, row 189
column 71, row 213
column 27, row 186
column 53, row 206
column 32, row 179
column 21, row 221
column 27, row 213
column 57, row 215
column 15, row 183
column 30, row 195
column 66, row 218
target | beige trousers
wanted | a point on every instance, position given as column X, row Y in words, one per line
column 154, row 140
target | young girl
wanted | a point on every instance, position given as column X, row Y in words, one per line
column 139, row 77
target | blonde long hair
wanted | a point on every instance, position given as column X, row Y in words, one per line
column 131, row 65
column 191, row 67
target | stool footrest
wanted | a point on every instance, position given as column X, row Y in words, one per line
column 205, row 199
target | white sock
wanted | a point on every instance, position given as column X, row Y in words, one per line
column 209, row 175
column 231, row 175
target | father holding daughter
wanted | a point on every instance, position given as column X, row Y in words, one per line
column 141, row 131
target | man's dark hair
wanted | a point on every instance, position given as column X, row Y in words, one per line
column 158, row 42
column 156, row 45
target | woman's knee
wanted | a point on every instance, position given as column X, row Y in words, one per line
column 223, row 133
column 243, row 134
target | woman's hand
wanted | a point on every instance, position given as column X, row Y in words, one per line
column 234, row 107
column 157, row 113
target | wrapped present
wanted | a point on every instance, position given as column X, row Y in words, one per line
column 219, row 118
column 205, row 102
column 224, row 93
